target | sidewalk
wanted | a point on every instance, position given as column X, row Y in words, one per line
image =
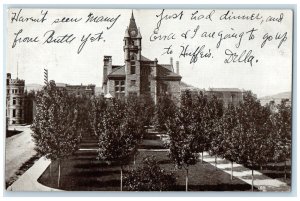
column 261, row 181
column 28, row 181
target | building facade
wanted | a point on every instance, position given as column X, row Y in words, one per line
column 139, row 75
column 14, row 100
column 227, row 95
column 78, row 90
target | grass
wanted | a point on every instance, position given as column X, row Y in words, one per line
column 82, row 172
column 10, row 133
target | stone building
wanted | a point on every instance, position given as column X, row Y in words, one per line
column 87, row 90
column 14, row 100
column 139, row 75
column 227, row 95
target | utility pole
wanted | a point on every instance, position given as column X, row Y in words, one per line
column 45, row 76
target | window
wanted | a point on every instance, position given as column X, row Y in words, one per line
column 120, row 88
column 132, row 42
column 132, row 82
column 132, row 67
column 14, row 112
column 14, row 101
column 232, row 97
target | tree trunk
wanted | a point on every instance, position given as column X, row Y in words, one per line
column 231, row 170
column 285, row 170
column 202, row 157
column 58, row 178
column 121, row 179
column 252, row 186
column 186, row 180
column 216, row 162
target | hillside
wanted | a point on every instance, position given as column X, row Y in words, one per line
column 33, row 87
column 276, row 97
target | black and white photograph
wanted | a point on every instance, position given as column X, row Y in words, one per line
column 138, row 100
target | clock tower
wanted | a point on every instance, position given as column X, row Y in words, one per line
column 132, row 56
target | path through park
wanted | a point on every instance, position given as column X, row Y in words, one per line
column 84, row 172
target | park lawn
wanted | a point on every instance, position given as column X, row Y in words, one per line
column 82, row 172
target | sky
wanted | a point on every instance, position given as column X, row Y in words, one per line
column 270, row 73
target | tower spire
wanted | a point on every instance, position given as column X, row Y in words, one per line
column 132, row 24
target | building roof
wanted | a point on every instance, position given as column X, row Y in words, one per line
column 144, row 58
column 225, row 89
column 167, row 66
column 164, row 71
column 118, row 72
column 132, row 24
column 116, row 66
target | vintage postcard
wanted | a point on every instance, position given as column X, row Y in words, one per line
column 149, row 100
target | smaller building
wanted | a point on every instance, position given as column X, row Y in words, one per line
column 227, row 95
column 14, row 100
column 79, row 90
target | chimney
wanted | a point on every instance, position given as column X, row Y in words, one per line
column 8, row 76
column 171, row 61
column 107, row 67
column 177, row 67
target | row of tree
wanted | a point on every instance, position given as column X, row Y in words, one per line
column 119, row 126
column 247, row 133
column 63, row 118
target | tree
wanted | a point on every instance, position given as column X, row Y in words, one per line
column 144, row 108
column 29, row 98
column 96, row 112
column 149, row 177
column 226, row 142
column 214, row 114
column 252, row 139
column 180, row 131
column 119, row 136
column 163, row 110
column 141, row 110
column 283, row 132
column 199, row 121
column 56, row 124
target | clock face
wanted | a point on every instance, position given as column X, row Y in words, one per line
column 133, row 32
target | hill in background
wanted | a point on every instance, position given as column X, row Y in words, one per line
column 276, row 97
